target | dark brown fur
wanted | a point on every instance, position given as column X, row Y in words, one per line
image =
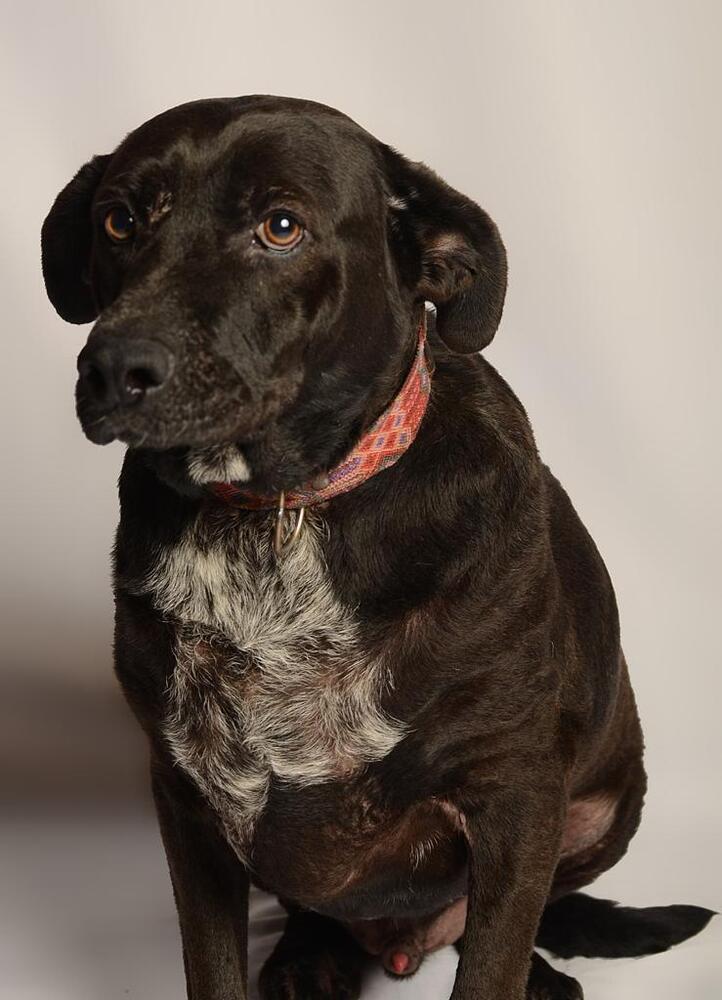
column 519, row 777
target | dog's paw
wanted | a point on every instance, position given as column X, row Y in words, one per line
column 547, row 983
column 314, row 976
column 565, row 988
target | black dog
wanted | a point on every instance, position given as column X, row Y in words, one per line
column 407, row 712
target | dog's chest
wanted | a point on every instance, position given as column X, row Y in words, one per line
column 270, row 677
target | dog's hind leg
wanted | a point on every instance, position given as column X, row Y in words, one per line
column 316, row 959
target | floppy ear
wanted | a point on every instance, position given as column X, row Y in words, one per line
column 450, row 250
column 66, row 241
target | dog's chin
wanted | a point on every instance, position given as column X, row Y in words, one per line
column 192, row 457
column 190, row 464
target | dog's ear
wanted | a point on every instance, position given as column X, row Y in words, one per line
column 449, row 250
column 66, row 241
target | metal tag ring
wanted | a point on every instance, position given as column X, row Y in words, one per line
column 283, row 542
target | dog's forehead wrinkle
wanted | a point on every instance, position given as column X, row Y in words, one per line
column 160, row 205
column 142, row 176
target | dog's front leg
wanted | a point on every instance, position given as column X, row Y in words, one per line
column 211, row 892
column 513, row 839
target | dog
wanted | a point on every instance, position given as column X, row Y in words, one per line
column 374, row 650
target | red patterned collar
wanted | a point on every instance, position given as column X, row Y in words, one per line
column 381, row 446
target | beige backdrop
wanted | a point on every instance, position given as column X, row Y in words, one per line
column 591, row 133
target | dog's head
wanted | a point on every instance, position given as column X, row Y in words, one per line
column 257, row 267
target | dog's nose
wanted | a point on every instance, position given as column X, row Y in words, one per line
column 117, row 372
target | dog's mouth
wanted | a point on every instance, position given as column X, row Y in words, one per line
column 194, row 432
column 166, row 422
column 107, row 428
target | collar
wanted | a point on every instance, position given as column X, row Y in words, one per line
column 379, row 448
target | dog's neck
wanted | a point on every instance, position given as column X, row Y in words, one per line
column 380, row 447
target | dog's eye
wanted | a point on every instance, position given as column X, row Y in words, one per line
column 119, row 224
column 280, row 231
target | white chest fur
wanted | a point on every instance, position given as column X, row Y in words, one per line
column 269, row 675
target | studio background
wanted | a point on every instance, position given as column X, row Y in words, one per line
column 590, row 131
